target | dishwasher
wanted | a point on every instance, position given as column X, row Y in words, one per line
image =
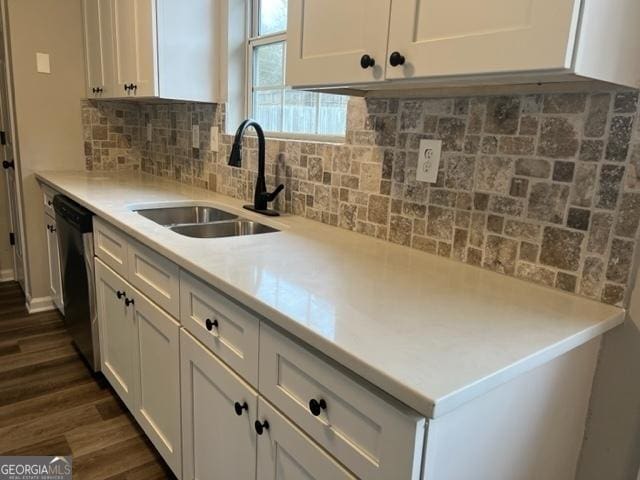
column 75, row 238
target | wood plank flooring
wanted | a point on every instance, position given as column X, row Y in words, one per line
column 50, row 404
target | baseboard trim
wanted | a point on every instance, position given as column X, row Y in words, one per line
column 7, row 275
column 40, row 304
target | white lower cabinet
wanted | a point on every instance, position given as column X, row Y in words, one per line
column 55, row 278
column 203, row 389
column 375, row 437
column 285, row 453
column 117, row 333
column 158, row 387
column 218, row 415
column 141, row 359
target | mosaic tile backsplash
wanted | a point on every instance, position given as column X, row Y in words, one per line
column 541, row 187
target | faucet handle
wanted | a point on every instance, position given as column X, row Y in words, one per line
column 272, row 196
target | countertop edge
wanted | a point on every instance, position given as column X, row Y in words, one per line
column 430, row 408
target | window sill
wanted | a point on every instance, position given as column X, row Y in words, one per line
column 300, row 137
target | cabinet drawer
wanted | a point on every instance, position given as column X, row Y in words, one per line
column 286, row 452
column 110, row 246
column 234, row 339
column 375, row 437
column 155, row 276
column 47, row 196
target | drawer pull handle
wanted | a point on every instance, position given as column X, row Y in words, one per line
column 316, row 406
column 261, row 427
column 120, row 294
column 210, row 325
column 128, row 301
column 240, row 407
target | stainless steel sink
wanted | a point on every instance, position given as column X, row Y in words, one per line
column 234, row 228
column 203, row 222
column 192, row 214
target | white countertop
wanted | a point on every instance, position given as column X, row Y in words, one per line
column 431, row 332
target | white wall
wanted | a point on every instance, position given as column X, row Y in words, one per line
column 611, row 448
column 47, row 106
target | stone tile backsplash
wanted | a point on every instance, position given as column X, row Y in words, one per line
column 541, row 187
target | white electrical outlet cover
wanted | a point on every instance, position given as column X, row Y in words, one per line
column 428, row 160
column 195, row 136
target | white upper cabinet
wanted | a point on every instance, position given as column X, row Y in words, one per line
column 134, row 41
column 337, row 42
column 153, row 49
column 462, row 37
column 444, row 43
column 98, row 47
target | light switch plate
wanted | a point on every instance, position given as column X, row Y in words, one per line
column 213, row 137
column 43, row 64
column 195, row 136
column 149, row 132
column 428, row 160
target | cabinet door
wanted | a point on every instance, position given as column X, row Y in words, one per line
column 117, row 333
column 158, row 385
column 284, row 452
column 328, row 38
column 98, row 43
column 216, row 441
column 462, row 37
column 55, row 278
column 135, row 59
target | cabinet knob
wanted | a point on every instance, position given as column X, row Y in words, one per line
column 129, row 301
column 120, row 294
column 261, row 427
column 49, row 203
column 51, row 228
column 396, row 59
column 210, row 325
column 8, row 164
column 94, row 90
column 239, row 407
column 316, row 406
column 367, row 61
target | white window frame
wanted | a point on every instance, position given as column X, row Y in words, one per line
column 255, row 40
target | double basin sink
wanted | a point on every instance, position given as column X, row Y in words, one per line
column 203, row 221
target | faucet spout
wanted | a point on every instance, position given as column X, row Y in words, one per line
column 261, row 197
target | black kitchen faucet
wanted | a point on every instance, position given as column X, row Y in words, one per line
column 261, row 197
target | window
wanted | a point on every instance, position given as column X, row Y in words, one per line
column 278, row 108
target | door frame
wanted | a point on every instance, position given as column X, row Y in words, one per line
column 16, row 217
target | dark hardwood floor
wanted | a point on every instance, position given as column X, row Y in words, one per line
column 51, row 405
